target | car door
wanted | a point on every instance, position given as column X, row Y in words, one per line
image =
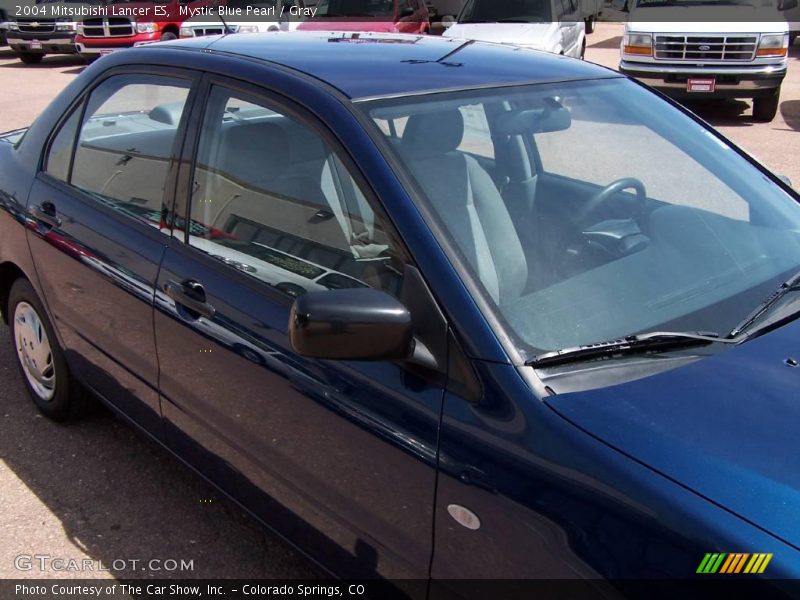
column 96, row 207
column 338, row 456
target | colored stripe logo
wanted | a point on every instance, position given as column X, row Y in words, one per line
column 734, row 562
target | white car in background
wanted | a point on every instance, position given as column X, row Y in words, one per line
column 555, row 26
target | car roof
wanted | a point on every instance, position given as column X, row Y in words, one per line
column 371, row 65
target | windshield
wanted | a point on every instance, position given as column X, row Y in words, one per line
column 356, row 8
column 587, row 211
column 508, row 11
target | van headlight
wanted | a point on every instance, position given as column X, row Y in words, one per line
column 638, row 44
column 773, row 44
column 186, row 32
column 247, row 29
column 146, row 27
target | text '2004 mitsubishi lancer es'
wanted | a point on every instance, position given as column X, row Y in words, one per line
column 429, row 308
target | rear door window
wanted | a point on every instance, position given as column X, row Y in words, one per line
column 127, row 144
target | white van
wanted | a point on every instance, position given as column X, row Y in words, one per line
column 742, row 54
column 552, row 25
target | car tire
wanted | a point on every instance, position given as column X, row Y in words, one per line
column 765, row 109
column 167, row 36
column 589, row 24
column 30, row 58
column 40, row 359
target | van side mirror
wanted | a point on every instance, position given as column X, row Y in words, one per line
column 351, row 324
column 787, row 4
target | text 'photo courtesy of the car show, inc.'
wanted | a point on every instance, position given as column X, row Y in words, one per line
column 399, row 299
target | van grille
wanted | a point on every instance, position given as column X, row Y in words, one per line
column 108, row 27
column 706, row 47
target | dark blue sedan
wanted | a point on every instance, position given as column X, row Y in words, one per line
column 431, row 309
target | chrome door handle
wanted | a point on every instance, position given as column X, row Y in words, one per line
column 46, row 213
column 191, row 295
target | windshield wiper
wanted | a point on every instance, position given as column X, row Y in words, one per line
column 790, row 285
column 654, row 341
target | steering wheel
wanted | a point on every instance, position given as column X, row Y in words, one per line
column 571, row 259
column 607, row 192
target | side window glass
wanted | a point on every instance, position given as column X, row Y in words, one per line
column 271, row 199
column 59, row 155
column 126, row 143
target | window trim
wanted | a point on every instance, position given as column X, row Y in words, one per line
column 81, row 102
column 78, row 106
column 287, row 107
column 76, row 109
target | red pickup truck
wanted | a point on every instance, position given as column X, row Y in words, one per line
column 125, row 24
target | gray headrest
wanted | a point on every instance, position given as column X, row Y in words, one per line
column 432, row 134
column 167, row 113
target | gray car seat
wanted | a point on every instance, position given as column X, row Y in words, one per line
column 467, row 201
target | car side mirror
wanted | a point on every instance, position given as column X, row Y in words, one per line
column 787, row 4
column 351, row 324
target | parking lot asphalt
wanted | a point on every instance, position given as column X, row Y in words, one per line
column 97, row 489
